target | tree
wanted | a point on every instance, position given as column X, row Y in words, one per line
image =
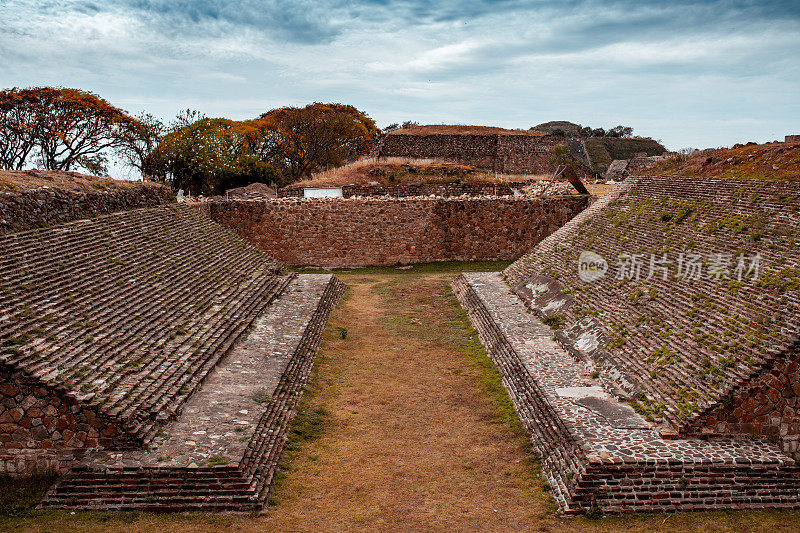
column 61, row 128
column 138, row 142
column 620, row 131
column 19, row 130
column 208, row 156
column 317, row 136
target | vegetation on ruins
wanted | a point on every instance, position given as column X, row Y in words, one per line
column 770, row 161
column 564, row 128
column 58, row 129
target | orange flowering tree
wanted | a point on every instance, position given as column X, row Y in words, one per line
column 302, row 140
column 62, row 129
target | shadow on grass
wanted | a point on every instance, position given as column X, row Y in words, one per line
column 20, row 495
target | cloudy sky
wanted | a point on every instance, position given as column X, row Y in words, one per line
column 690, row 73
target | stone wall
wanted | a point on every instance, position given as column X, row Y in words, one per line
column 385, row 231
column 591, row 458
column 701, row 344
column 499, row 153
column 21, row 210
column 40, row 428
column 766, row 406
column 419, row 189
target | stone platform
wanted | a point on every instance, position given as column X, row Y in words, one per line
column 596, row 452
column 221, row 452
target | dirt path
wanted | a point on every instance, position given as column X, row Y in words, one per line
column 411, row 440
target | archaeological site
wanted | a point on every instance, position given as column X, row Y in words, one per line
column 154, row 349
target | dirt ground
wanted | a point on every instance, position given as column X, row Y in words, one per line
column 405, row 426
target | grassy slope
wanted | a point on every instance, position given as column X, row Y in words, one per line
column 773, row 161
column 391, row 171
column 71, row 181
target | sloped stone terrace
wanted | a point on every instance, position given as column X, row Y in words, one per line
column 603, row 455
column 127, row 313
column 690, row 345
column 222, row 452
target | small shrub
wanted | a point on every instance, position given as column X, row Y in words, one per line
column 262, row 397
column 217, row 460
column 595, row 512
column 555, row 321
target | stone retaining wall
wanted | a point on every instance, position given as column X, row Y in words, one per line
column 499, row 153
column 21, row 210
column 591, row 460
column 34, row 418
column 385, row 231
column 445, row 190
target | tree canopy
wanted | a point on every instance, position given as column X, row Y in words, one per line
column 58, row 129
column 208, row 156
column 67, row 129
column 305, row 139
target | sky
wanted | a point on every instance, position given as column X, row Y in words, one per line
column 692, row 74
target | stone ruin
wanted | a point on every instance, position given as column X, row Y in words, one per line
column 152, row 356
column 254, row 190
column 651, row 346
column 495, row 150
column 619, row 169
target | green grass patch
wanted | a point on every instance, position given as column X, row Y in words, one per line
column 416, row 268
column 19, row 496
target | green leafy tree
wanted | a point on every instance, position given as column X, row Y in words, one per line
column 208, row 156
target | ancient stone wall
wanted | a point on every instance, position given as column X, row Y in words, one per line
column 499, row 153
column 20, row 210
column 386, row 231
column 36, row 418
column 420, row 189
column 765, row 406
column 693, row 343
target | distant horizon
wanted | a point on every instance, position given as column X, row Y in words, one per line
column 696, row 74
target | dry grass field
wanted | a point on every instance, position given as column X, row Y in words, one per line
column 390, row 171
